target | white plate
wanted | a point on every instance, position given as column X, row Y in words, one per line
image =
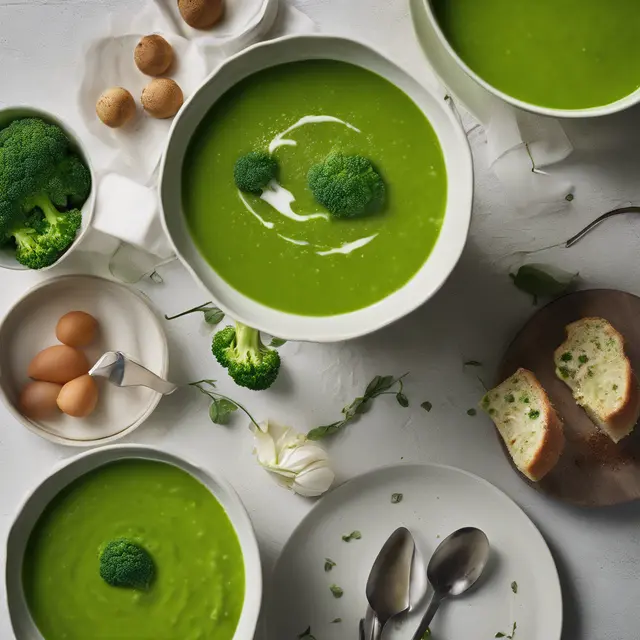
column 127, row 324
column 437, row 500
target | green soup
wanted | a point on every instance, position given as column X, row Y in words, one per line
column 303, row 266
column 565, row 54
column 198, row 591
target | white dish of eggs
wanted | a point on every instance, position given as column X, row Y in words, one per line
column 91, row 315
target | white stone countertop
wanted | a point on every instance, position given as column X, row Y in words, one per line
column 473, row 317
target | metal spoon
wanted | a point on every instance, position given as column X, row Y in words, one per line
column 390, row 579
column 455, row 567
column 122, row 371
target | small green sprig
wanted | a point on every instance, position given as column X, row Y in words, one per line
column 501, row 634
column 379, row 386
column 212, row 315
column 221, row 406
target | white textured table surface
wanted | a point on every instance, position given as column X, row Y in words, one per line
column 473, row 317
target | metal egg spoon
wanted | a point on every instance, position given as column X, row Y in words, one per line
column 455, row 567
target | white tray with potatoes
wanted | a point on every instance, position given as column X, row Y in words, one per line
column 123, row 322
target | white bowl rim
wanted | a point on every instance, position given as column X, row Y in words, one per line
column 334, row 335
column 250, row 549
column 116, row 436
column 88, row 208
column 591, row 112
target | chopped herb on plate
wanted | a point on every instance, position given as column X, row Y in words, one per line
column 354, row 535
column 336, row 591
column 396, row 497
column 329, row 564
column 514, row 587
column 427, row 406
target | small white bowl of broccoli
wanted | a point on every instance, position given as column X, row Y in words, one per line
column 46, row 190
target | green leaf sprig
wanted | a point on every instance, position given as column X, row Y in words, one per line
column 501, row 634
column 306, row 635
column 221, row 406
column 379, row 386
column 542, row 282
column 277, row 342
column 212, row 315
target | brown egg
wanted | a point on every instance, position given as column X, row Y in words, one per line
column 79, row 397
column 115, row 107
column 60, row 364
column 77, row 329
column 153, row 55
column 201, row 14
column 38, row 400
column 162, row 98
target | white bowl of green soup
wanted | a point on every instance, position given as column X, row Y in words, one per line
column 356, row 209
column 132, row 542
column 561, row 58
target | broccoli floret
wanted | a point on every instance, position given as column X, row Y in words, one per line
column 253, row 171
column 38, row 173
column 249, row 362
column 124, row 563
column 347, row 186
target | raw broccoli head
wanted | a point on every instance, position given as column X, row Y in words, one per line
column 38, row 172
column 253, row 171
column 249, row 362
column 124, row 563
column 347, row 186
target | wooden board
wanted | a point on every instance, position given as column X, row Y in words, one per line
column 593, row 471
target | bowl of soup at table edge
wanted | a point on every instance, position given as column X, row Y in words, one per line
column 423, row 157
column 190, row 520
column 560, row 58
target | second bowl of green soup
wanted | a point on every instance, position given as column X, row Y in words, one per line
column 562, row 58
column 316, row 190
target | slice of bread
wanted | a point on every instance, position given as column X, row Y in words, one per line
column 527, row 422
column 593, row 363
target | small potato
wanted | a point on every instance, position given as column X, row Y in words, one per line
column 59, row 364
column 201, row 14
column 38, row 400
column 153, row 55
column 78, row 398
column 77, row 329
column 115, row 107
column 162, row 98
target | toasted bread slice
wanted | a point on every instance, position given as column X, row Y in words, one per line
column 593, row 363
column 527, row 422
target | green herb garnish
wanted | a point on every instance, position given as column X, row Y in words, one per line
column 514, row 587
column 354, row 535
column 427, row 406
column 583, row 359
column 534, row 414
column 221, row 406
column 336, row 620
column 472, row 363
column 379, row 386
column 212, row 315
column 564, row 372
column 510, row 398
column 336, row 591
column 538, row 283
column 396, row 498
column 277, row 342
column 329, row 564
column 566, row 357
column 471, row 412
column 306, row 635
column 500, row 634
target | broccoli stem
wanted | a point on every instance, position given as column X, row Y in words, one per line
column 43, row 202
column 247, row 340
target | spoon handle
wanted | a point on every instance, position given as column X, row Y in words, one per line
column 428, row 616
column 376, row 629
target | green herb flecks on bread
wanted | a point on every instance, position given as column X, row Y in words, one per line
column 592, row 362
column 527, row 422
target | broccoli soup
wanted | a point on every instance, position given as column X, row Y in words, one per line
column 315, row 187
column 563, row 54
column 135, row 550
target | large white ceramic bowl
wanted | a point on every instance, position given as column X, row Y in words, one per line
column 23, row 626
column 7, row 116
column 420, row 288
column 604, row 110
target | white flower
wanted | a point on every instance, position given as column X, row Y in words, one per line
column 292, row 460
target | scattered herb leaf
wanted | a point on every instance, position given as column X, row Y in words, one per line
column 514, row 587
column 306, row 635
column 569, row 197
column 329, row 564
column 221, row 406
column 354, row 535
column 427, row 634
column 212, row 315
column 427, row 406
column 277, row 342
column 336, row 591
column 396, row 498
column 471, row 412
column 539, row 283
column 336, row 620
column 501, row 634
column 380, row 385
column 472, row 363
